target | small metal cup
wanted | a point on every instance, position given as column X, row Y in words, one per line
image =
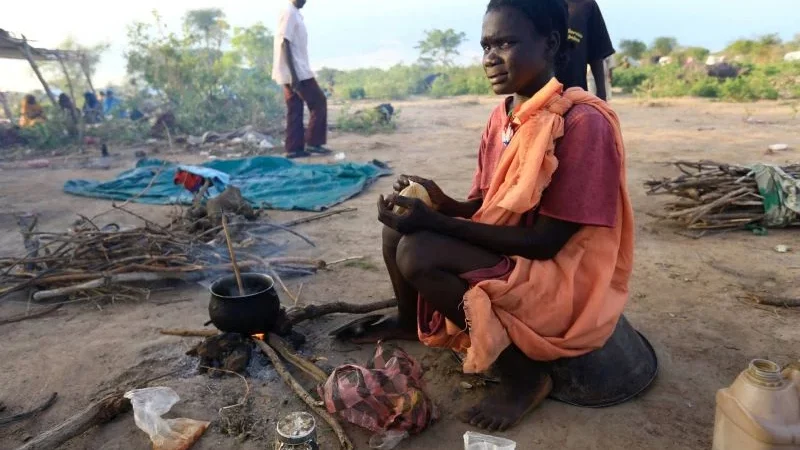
column 297, row 431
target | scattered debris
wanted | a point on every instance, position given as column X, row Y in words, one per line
column 782, row 249
column 88, row 260
column 149, row 404
column 243, row 137
column 477, row 441
column 718, row 196
column 778, row 147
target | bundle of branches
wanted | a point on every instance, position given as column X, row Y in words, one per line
column 713, row 195
column 90, row 262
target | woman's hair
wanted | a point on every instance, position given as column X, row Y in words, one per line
column 30, row 99
column 547, row 16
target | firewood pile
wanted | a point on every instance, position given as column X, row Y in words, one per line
column 712, row 196
column 92, row 262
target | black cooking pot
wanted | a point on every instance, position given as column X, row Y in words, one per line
column 255, row 312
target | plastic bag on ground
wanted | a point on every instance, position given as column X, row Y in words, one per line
column 388, row 440
column 167, row 434
column 477, row 441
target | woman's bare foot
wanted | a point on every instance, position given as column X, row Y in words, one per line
column 524, row 384
column 507, row 404
column 388, row 329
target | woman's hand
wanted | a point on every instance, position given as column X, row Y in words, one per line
column 438, row 197
column 417, row 217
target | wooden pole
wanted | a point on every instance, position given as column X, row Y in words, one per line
column 26, row 50
column 78, row 123
column 85, row 69
column 7, row 108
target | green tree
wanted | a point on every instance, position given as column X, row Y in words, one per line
column 210, row 24
column 254, row 45
column 207, row 85
column 632, row 48
column 663, row 46
column 440, row 46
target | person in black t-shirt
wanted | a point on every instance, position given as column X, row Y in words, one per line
column 591, row 45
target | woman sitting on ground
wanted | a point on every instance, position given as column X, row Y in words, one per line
column 539, row 270
column 31, row 112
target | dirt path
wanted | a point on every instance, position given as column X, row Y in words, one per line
column 703, row 332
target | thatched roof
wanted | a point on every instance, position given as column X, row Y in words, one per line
column 12, row 47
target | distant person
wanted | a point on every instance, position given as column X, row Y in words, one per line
column 68, row 109
column 92, row 108
column 65, row 102
column 608, row 67
column 292, row 70
column 112, row 106
column 591, row 46
column 31, row 112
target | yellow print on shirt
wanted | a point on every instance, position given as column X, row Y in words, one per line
column 574, row 36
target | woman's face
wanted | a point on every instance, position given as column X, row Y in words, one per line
column 515, row 57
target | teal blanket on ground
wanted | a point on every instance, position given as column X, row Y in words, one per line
column 265, row 181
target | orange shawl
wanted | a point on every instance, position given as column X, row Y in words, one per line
column 559, row 308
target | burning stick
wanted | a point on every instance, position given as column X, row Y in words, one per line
column 344, row 441
column 233, row 255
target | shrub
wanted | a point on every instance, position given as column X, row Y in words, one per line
column 708, row 88
column 629, row 79
column 367, row 121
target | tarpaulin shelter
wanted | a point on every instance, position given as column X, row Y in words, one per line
column 13, row 47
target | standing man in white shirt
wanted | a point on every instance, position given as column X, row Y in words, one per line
column 292, row 70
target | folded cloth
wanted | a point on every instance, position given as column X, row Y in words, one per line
column 386, row 395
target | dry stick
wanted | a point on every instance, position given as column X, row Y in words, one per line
column 22, row 416
column 274, row 274
column 24, row 317
column 770, row 300
column 344, row 441
column 292, row 223
column 242, row 402
column 189, row 333
column 233, row 255
column 299, row 292
column 97, row 413
column 344, row 260
column 130, row 277
column 286, row 229
column 309, row 312
column 710, row 207
column 277, row 343
column 297, row 315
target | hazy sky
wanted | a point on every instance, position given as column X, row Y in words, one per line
column 360, row 33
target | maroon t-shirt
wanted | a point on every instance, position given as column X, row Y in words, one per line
column 585, row 187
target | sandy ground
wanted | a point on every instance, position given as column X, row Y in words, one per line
column 703, row 332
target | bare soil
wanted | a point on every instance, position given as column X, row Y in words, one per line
column 688, row 295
